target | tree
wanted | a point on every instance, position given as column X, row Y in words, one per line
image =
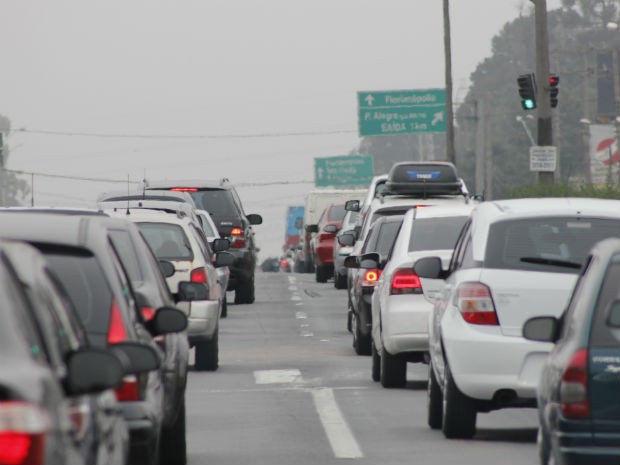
column 12, row 189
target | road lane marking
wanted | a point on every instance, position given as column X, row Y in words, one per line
column 277, row 376
column 301, row 315
column 292, row 279
column 338, row 433
column 295, row 297
column 292, row 288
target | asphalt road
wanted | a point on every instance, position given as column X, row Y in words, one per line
column 291, row 391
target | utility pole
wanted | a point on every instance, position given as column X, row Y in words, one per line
column 480, row 147
column 450, row 151
column 545, row 136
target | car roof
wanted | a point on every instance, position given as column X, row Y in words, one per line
column 151, row 215
column 439, row 211
column 223, row 183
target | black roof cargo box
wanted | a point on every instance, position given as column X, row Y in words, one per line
column 424, row 178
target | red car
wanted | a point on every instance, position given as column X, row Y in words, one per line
column 322, row 242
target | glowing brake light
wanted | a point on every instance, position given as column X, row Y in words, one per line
column 405, row 281
column 184, row 189
column 147, row 313
column 574, row 387
column 129, row 389
column 116, row 329
column 370, row 278
column 238, row 241
column 476, row 305
column 199, row 275
column 23, row 427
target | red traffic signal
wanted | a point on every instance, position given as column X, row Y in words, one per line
column 554, row 81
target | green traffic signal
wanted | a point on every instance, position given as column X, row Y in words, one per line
column 528, row 104
column 527, row 91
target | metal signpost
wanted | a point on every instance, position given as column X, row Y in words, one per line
column 347, row 170
column 384, row 113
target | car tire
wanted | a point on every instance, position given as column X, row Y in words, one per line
column 207, row 354
column 173, row 445
column 340, row 281
column 376, row 362
column 361, row 342
column 459, row 411
column 435, row 400
column 321, row 273
column 544, row 449
column 393, row 372
column 244, row 293
column 350, row 320
column 224, row 313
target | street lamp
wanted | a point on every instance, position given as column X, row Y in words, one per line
column 520, row 119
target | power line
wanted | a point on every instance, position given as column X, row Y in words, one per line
column 180, row 136
column 73, row 178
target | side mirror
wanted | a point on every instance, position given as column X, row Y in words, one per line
column 137, row 357
column 429, row 267
column 167, row 320
column 352, row 205
column 312, row 228
column 92, row 370
column 167, row 268
column 189, row 291
column 613, row 314
column 352, row 261
column 254, row 218
column 370, row 261
column 542, row 329
column 346, row 239
column 224, row 259
column 330, row 228
column 220, row 245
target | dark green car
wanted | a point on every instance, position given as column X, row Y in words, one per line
column 579, row 390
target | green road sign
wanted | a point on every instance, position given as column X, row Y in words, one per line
column 347, row 170
column 387, row 113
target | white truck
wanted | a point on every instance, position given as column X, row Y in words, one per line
column 315, row 203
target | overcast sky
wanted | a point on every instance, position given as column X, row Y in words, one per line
column 221, row 70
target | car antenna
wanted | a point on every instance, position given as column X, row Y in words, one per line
column 127, row 212
column 144, row 184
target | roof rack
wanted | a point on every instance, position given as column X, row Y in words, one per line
column 424, row 179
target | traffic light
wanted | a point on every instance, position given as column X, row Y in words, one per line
column 554, row 90
column 527, row 91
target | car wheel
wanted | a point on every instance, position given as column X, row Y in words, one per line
column 224, row 313
column 340, row 281
column 321, row 274
column 361, row 342
column 207, row 356
column 244, row 294
column 435, row 400
column 542, row 442
column 349, row 320
column 393, row 372
column 459, row 411
column 173, row 446
column 376, row 362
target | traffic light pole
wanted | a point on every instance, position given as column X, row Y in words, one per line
column 545, row 136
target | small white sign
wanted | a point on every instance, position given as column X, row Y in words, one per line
column 543, row 158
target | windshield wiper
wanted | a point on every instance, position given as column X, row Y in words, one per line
column 551, row 261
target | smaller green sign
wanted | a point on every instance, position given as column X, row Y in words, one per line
column 347, row 170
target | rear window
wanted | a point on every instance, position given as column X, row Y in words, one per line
column 85, row 282
column 336, row 213
column 602, row 333
column 556, row 244
column 218, row 202
column 435, row 233
column 382, row 238
column 168, row 241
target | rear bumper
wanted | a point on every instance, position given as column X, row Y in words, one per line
column 202, row 318
column 324, row 253
column 576, row 449
column 404, row 323
column 242, row 269
column 144, row 427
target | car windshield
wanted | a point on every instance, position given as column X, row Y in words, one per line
column 558, row 245
column 168, row 241
column 435, row 233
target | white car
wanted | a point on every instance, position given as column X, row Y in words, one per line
column 176, row 238
column 514, row 260
column 343, row 251
column 402, row 302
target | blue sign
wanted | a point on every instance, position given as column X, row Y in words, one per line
column 423, row 175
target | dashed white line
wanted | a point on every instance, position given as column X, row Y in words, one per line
column 277, row 376
column 338, row 433
column 301, row 315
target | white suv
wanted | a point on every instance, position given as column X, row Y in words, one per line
column 514, row 260
column 176, row 238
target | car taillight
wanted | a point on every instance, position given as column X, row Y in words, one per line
column 147, row 313
column 405, row 281
column 129, row 389
column 116, row 329
column 184, row 189
column 199, row 275
column 238, row 240
column 370, row 278
column 574, row 387
column 23, row 427
column 80, row 418
column 476, row 305
column 283, row 262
